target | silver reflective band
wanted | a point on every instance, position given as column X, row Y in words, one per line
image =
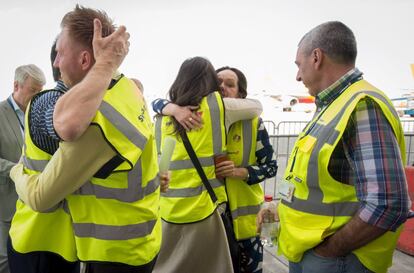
column 215, row 123
column 188, row 164
column 247, row 141
column 328, row 135
column 123, row 125
column 134, row 192
column 39, row 166
column 243, row 211
column 190, row 192
column 327, row 209
column 34, row 164
column 158, row 123
column 110, row 232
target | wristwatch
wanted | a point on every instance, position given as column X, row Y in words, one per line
column 248, row 176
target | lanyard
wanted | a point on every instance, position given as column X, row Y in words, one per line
column 12, row 106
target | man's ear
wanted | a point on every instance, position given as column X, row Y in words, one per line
column 317, row 57
column 15, row 86
column 86, row 60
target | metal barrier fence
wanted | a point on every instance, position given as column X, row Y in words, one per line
column 295, row 127
column 283, row 137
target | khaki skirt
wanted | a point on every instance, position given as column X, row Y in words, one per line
column 199, row 247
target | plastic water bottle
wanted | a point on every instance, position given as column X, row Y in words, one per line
column 268, row 235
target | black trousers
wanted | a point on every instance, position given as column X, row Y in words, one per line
column 38, row 262
column 107, row 267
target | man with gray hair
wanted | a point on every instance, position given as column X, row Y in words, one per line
column 344, row 193
column 28, row 81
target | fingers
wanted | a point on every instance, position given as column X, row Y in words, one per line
column 191, row 122
column 97, row 29
column 227, row 164
column 112, row 49
column 225, row 168
column 259, row 220
column 194, row 121
column 193, row 107
column 184, row 123
column 164, row 181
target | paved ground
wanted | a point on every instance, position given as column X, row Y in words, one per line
column 272, row 263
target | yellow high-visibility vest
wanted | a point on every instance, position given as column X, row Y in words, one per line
column 115, row 214
column 244, row 199
column 187, row 200
column 321, row 205
column 41, row 231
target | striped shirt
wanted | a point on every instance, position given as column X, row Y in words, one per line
column 41, row 119
column 369, row 158
column 60, row 85
column 266, row 166
column 41, row 116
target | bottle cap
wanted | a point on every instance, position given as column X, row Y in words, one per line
column 268, row 198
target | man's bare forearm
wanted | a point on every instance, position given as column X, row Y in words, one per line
column 75, row 110
column 355, row 234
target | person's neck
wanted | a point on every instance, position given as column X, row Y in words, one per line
column 334, row 73
column 19, row 103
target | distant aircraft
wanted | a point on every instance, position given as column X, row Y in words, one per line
column 405, row 104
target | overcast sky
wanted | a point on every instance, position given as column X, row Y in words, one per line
column 259, row 37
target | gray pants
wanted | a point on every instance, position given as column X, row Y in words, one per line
column 313, row 263
column 4, row 234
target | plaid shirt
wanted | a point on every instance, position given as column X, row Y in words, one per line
column 368, row 157
column 266, row 165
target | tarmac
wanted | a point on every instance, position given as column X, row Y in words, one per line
column 272, row 263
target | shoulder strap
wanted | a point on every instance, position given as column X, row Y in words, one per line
column 197, row 165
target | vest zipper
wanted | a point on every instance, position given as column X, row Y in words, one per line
column 294, row 159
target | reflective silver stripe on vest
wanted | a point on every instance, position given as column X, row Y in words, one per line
column 215, row 122
column 191, row 192
column 327, row 134
column 386, row 102
column 123, row 125
column 34, row 164
column 244, row 211
column 109, row 232
column 158, row 123
column 188, row 164
column 39, row 166
column 134, row 192
column 247, row 141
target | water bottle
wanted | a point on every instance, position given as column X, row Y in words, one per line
column 268, row 235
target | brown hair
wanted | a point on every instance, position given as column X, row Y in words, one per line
column 195, row 80
column 241, row 80
column 79, row 23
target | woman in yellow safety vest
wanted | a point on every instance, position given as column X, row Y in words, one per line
column 254, row 162
column 194, row 238
column 251, row 162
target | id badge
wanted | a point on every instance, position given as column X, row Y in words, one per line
column 285, row 190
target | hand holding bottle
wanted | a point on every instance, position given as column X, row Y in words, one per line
column 268, row 221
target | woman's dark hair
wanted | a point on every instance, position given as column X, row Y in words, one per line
column 195, row 80
column 242, row 81
column 53, row 54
